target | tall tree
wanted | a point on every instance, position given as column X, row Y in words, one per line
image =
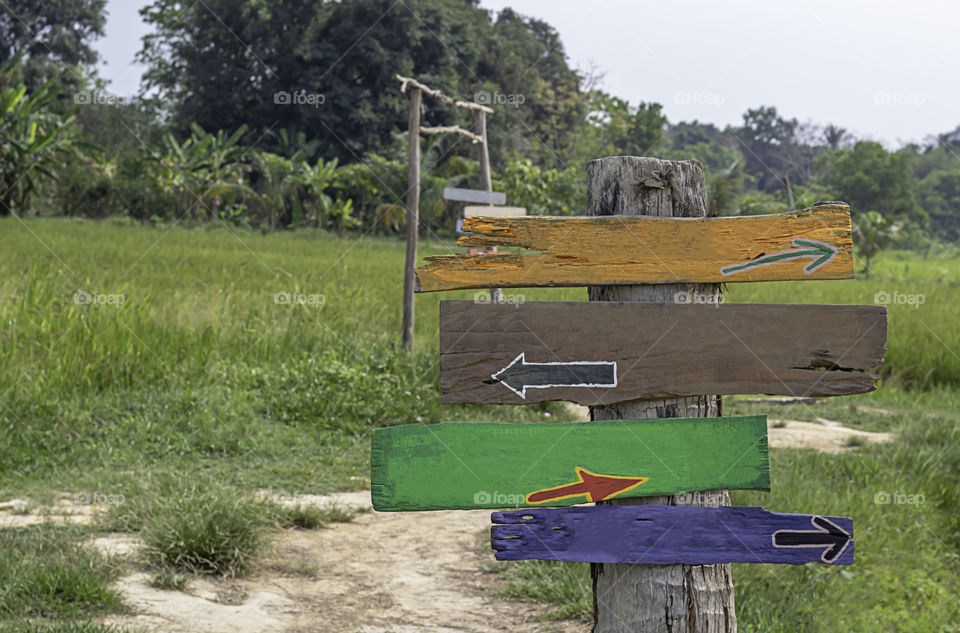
column 326, row 68
column 774, row 148
column 939, row 195
column 872, row 179
column 53, row 37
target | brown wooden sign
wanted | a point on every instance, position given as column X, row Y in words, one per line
column 814, row 243
column 594, row 352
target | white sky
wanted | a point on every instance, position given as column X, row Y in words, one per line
column 885, row 70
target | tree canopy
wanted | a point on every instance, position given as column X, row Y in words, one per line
column 53, row 37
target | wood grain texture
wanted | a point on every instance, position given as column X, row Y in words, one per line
column 661, row 535
column 413, row 216
column 482, row 465
column 621, row 249
column 793, row 350
column 661, row 598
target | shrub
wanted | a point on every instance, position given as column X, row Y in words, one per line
column 205, row 532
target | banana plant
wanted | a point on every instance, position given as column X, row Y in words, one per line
column 36, row 137
column 276, row 184
column 223, row 168
column 199, row 171
column 315, row 180
column 873, row 232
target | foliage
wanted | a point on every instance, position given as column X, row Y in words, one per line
column 53, row 38
column 225, row 63
column 871, row 179
column 939, row 195
column 873, row 232
column 316, row 179
column 209, row 531
column 543, row 191
column 616, row 127
column 199, row 171
column 48, row 571
column 775, row 148
column 36, row 137
column 306, row 516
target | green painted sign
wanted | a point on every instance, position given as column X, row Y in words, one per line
column 483, row 465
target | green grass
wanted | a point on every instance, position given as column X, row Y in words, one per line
column 77, row 626
column 170, row 579
column 307, row 516
column 199, row 370
column 206, row 532
column 200, row 383
column 48, row 571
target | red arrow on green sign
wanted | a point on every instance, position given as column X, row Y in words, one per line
column 595, row 487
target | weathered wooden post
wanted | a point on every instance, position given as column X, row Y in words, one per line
column 486, row 181
column 413, row 217
column 413, row 181
column 654, row 598
column 480, row 127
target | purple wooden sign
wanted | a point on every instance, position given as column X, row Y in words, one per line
column 664, row 535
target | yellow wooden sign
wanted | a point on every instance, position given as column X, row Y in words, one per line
column 814, row 243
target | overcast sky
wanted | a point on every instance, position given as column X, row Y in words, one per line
column 885, row 70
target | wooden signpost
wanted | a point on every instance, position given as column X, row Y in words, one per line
column 657, row 457
column 814, row 243
column 477, row 465
column 593, row 353
column 415, row 129
column 658, row 535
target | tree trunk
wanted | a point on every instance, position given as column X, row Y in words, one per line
column 657, row 598
column 413, row 217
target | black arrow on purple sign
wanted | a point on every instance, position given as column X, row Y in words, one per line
column 829, row 536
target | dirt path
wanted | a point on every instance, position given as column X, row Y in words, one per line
column 826, row 436
column 385, row 572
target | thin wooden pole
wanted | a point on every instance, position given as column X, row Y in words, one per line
column 657, row 598
column 480, row 118
column 413, row 217
column 486, row 180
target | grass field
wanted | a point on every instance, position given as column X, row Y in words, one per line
column 135, row 360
